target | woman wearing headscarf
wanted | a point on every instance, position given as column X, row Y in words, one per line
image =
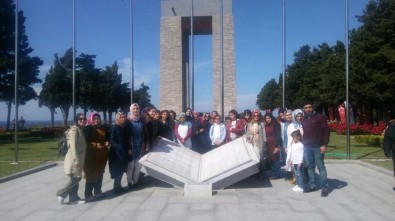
column 183, row 131
column 274, row 143
column 286, row 138
column 120, row 145
column 98, row 143
column 74, row 161
column 137, row 133
column 197, row 133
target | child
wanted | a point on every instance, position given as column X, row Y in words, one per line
column 295, row 158
column 217, row 132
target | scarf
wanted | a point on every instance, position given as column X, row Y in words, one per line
column 133, row 116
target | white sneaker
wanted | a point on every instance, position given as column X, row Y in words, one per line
column 77, row 202
column 60, row 200
column 296, row 188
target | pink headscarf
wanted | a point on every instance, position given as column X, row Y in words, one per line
column 90, row 119
column 134, row 116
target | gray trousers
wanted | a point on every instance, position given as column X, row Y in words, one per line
column 70, row 189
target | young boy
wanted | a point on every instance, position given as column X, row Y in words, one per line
column 296, row 158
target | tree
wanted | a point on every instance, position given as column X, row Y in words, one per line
column 114, row 93
column 57, row 89
column 87, row 77
column 318, row 73
column 268, row 96
column 372, row 53
column 27, row 65
column 142, row 97
column 46, row 98
column 297, row 78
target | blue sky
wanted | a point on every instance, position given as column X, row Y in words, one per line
column 102, row 29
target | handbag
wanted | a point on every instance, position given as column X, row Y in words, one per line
column 265, row 164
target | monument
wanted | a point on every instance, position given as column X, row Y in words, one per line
column 220, row 167
column 175, row 32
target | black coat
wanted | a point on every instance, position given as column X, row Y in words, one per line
column 389, row 139
column 118, row 158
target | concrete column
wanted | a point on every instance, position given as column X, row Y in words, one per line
column 228, row 64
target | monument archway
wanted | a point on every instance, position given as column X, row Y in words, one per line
column 175, row 32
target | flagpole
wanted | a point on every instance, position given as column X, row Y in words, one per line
column 222, row 59
column 16, row 82
column 131, row 51
column 74, row 108
column 284, row 69
column 192, row 63
column 347, row 85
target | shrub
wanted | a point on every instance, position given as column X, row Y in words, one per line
column 52, row 132
column 356, row 129
column 371, row 140
column 7, row 136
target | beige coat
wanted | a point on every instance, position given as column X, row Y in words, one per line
column 75, row 157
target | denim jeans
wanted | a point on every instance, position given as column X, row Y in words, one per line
column 298, row 169
column 313, row 157
column 276, row 168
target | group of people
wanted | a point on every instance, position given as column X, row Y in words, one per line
column 296, row 139
column 88, row 143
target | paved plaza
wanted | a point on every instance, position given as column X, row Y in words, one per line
column 358, row 191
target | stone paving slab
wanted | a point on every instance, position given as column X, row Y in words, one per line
column 358, row 191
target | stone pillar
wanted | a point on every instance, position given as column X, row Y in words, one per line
column 228, row 64
column 174, row 52
column 171, row 64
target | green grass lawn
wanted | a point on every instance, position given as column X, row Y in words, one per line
column 337, row 149
column 33, row 152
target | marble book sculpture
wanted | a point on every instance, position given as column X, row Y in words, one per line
column 220, row 167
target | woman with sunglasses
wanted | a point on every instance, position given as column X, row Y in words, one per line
column 256, row 135
column 74, row 161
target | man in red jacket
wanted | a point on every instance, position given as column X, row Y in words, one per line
column 315, row 140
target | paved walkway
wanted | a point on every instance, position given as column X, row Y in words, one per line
column 357, row 192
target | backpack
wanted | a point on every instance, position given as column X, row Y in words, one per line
column 62, row 144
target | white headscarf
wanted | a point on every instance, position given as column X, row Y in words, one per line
column 132, row 115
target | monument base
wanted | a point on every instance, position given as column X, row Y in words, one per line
column 198, row 190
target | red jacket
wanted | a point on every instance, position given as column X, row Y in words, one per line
column 239, row 130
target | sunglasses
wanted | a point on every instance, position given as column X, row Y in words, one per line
column 82, row 118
